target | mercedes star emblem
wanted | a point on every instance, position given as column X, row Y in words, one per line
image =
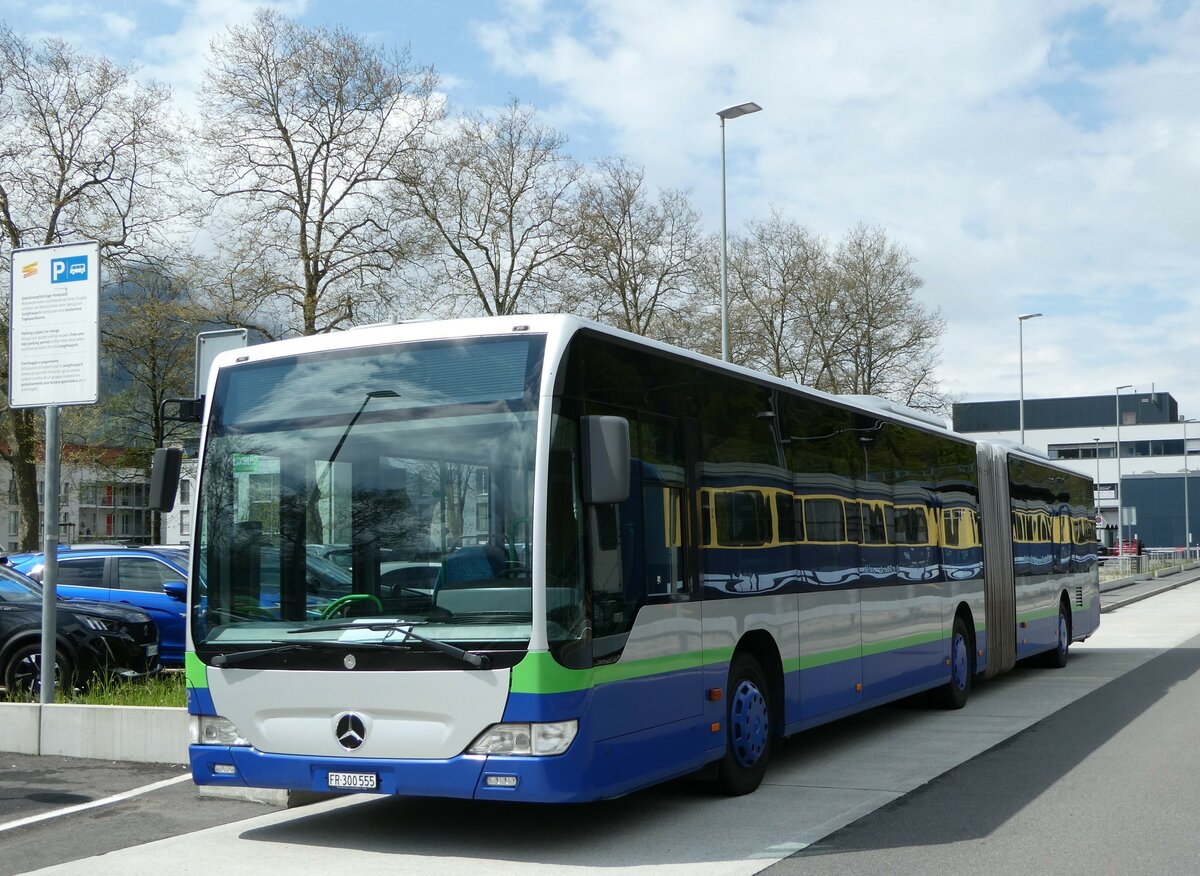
column 351, row 732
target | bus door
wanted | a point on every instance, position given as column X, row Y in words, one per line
column 645, row 615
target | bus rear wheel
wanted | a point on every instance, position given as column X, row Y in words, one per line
column 954, row 693
column 747, row 728
column 1056, row 658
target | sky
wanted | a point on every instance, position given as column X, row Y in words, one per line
column 1031, row 155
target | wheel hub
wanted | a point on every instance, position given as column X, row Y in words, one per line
column 748, row 730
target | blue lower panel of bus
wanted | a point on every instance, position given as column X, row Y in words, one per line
column 1035, row 636
column 589, row 770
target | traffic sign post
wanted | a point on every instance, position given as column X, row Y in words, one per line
column 53, row 360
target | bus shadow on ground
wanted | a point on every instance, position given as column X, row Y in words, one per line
column 974, row 799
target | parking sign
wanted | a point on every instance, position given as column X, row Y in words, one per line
column 54, row 327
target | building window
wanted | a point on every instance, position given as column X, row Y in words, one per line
column 1081, row 451
column 1129, row 449
column 185, row 522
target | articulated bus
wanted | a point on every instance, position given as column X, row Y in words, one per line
column 579, row 563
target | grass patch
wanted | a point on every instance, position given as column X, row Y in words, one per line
column 162, row 689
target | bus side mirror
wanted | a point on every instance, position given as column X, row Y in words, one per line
column 164, row 478
column 605, row 460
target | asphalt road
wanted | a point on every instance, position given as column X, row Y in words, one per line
column 59, row 809
column 1083, row 769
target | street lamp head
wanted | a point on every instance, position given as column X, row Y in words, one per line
column 1026, row 316
column 742, row 109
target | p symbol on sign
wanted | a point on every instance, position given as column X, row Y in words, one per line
column 68, row 269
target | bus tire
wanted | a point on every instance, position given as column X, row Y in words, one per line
column 1056, row 657
column 747, row 728
column 955, row 692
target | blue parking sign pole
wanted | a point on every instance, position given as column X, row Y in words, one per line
column 50, row 547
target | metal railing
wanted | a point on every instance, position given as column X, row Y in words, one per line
column 1152, row 560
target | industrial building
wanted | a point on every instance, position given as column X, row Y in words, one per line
column 1156, row 468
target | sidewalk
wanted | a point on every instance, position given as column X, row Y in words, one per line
column 1126, row 591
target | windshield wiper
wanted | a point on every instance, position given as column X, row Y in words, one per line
column 279, row 647
column 479, row 661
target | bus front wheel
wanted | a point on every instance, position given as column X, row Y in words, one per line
column 747, row 728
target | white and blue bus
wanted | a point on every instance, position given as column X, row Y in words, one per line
column 578, row 563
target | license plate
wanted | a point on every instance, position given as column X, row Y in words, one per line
column 354, row 781
column 152, row 650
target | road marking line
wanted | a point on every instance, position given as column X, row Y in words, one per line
column 779, row 852
column 116, row 798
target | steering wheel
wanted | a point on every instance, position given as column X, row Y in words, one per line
column 342, row 602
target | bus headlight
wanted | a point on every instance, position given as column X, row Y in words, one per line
column 215, row 730
column 526, row 740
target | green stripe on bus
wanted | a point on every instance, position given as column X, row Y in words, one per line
column 621, row 671
column 540, row 673
column 194, row 672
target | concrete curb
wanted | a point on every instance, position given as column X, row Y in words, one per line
column 269, row 796
column 126, row 733
column 133, row 734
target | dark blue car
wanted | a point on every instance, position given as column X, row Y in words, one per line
column 152, row 580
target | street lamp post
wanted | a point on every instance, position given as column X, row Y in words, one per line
column 1187, row 517
column 1120, row 497
column 1021, row 346
column 1097, row 440
column 732, row 112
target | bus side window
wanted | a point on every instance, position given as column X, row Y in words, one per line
column 663, row 536
column 950, row 534
column 785, row 517
column 874, row 528
column 742, row 518
column 854, row 527
column 825, row 520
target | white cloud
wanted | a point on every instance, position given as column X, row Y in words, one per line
column 1030, row 156
column 947, row 125
column 180, row 57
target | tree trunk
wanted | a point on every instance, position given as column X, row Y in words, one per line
column 24, row 466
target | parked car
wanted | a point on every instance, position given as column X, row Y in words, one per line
column 92, row 638
column 153, row 580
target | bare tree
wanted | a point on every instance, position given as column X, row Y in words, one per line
column 149, row 342
column 779, row 288
column 497, row 197
column 304, row 127
column 890, row 347
column 86, row 153
column 636, row 256
column 846, row 321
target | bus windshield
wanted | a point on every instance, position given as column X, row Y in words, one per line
column 349, row 496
